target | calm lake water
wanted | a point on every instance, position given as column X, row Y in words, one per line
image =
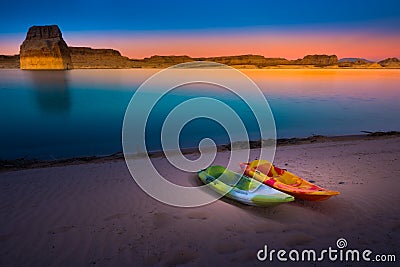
column 61, row 114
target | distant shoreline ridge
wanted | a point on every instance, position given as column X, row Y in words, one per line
column 44, row 48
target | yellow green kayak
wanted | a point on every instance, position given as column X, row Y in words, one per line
column 242, row 188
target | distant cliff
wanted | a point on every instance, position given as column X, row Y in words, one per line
column 241, row 61
column 9, row 62
column 44, row 48
column 358, row 63
column 255, row 60
column 160, row 61
column 86, row 57
column 352, row 62
column 317, row 60
column 390, row 63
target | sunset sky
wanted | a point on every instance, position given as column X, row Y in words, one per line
column 290, row 29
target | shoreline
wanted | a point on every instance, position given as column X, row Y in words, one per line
column 23, row 163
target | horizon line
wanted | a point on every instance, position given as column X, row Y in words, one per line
column 222, row 56
column 289, row 44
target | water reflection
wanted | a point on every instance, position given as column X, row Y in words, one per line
column 51, row 90
column 60, row 114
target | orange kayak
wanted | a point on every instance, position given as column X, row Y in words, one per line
column 266, row 173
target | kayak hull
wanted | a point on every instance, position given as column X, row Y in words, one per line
column 242, row 188
column 285, row 181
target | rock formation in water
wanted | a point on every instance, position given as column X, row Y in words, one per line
column 317, row 60
column 44, row 48
column 86, row 57
column 390, row 63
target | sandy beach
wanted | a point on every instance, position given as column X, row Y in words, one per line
column 95, row 214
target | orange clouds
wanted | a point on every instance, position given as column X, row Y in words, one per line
column 289, row 44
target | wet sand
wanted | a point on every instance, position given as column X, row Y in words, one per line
column 95, row 214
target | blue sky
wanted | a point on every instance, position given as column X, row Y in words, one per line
column 186, row 15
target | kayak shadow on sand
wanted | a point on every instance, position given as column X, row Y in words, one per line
column 297, row 209
column 285, row 211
